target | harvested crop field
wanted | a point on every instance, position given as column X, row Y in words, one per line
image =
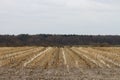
column 59, row 63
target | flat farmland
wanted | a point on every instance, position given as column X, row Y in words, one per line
column 59, row 63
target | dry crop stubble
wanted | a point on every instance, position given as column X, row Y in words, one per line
column 56, row 57
column 59, row 63
column 108, row 58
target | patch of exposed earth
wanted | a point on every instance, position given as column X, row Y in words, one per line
column 59, row 74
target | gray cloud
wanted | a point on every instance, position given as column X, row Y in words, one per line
column 60, row 16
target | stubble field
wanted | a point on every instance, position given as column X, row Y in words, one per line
column 59, row 63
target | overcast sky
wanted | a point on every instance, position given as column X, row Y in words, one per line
column 60, row 16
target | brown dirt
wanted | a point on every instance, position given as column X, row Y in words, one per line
column 52, row 63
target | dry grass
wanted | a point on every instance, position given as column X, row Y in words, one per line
column 71, row 63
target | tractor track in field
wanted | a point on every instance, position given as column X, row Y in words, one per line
column 103, row 57
column 72, row 57
column 59, row 63
column 81, row 58
column 16, row 59
column 15, row 53
column 92, row 58
column 108, row 52
column 54, row 57
column 64, row 57
column 14, row 50
column 22, row 58
column 91, row 61
column 34, row 57
column 65, row 60
column 47, row 60
column 97, row 58
column 53, row 62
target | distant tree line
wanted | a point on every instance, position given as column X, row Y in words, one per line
column 58, row 40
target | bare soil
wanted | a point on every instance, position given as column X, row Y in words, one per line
column 53, row 63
